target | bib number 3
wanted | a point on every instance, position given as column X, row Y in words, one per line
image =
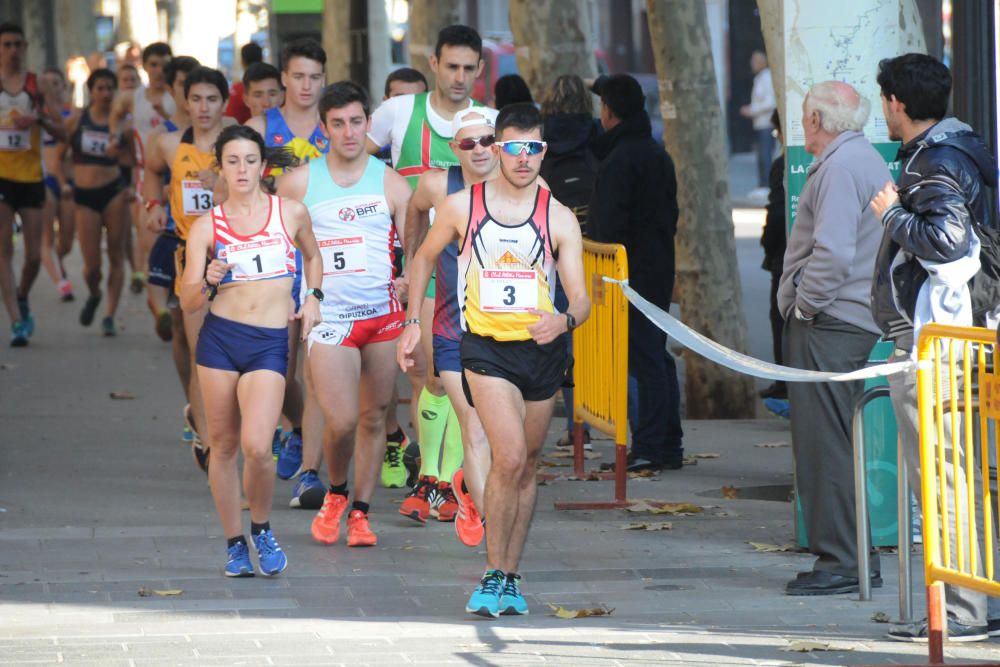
column 508, row 291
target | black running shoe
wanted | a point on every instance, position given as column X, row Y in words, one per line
column 89, row 308
column 411, row 460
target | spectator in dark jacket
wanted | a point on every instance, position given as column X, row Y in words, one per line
column 635, row 203
column 773, row 240
column 511, row 89
column 929, row 216
column 569, row 168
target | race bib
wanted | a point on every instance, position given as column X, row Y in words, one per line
column 507, row 291
column 197, row 200
column 255, row 260
column 14, row 140
column 95, row 143
column 343, row 256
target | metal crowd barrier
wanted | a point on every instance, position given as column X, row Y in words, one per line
column 600, row 348
column 904, row 515
column 957, row 377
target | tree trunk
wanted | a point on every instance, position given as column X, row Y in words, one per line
column 37, row 17
column 76, row 30
column 379, row 49
column 552, row 38
column 771, row 24
column 337, row 40
column 137, row 22
column 707, row 270
column 427, row 17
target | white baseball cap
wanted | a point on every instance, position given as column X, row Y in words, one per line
column 473, row 116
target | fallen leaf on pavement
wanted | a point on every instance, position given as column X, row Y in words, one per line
column 562, row 612
column 121, row 396
column 660, row 507
column 689, row 461
column 807, row 646
column 642, row 474
column 568, row 454
column 730, row 492
column 880, row 617
column 168, row 592
column 772, row 445
column 144, row 592
column 665, row 525
column 592, row 477
column 764, row 547
column 551, row 464
column 707, row 455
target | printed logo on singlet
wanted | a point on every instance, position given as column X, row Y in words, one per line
column 508, row 258
column 348, row 213
column 361, row 312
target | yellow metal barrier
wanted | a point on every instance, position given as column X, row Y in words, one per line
column 958, row 398
column 600, row 348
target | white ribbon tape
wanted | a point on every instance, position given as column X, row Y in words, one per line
column 743, row 363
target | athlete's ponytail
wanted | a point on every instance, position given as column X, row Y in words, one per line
column 277, row 158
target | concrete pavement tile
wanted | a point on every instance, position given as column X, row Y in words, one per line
column 303, row 613
column 187, row 530
column 49, row 533
column 171, row 616
column 200, row 662
column 306, row 661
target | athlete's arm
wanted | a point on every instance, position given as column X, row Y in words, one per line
column 63, row 146
column 568, row 243
column 297, row 214
column 198, row 278
column 417, row 218
column 152, row 182
column 398, row 193
column 380, row 131
column 292, row 183
column 120, row 109
column 449, row 223
column 258, row 123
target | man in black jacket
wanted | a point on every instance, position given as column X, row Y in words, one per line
column 635, row 203
column 929, row 218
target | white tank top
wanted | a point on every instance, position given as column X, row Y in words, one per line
column 145, row 118
column 355, row 234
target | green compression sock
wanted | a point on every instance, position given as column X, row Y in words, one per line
column 433, row 414
column 451, row 458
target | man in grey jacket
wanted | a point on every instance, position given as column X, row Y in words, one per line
column 824, row 297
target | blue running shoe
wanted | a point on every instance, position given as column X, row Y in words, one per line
column 239, row 564
column 27, row 321
column 512, row 603
column 485, row 600
column 290, row 459
column 308, row 492
column 778, row 407
column 276, row 443
column 19, row 334
column 272, row 558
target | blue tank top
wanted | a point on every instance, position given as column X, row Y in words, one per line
column 90, row 143
column 447, row 319
column 277, row 133
column 170, row 126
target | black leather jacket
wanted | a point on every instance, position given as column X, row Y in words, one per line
column 932, row 219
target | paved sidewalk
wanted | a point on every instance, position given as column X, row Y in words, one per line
column 100, row 500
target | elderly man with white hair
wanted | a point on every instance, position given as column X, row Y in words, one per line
column 824, row 297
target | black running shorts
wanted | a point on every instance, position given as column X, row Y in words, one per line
column 22, row 195
column 538, row 371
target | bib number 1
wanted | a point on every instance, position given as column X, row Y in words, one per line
column 255, row 260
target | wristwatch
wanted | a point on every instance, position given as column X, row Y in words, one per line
column 570, row 321
column 316, row 292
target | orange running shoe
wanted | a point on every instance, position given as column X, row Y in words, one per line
column 417, row 504
column 326, row 523
column 445, row 507
column 359, row 534
column 468, row 524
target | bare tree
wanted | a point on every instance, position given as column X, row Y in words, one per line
column 337, row 40
column 707, row 273
column 552, row 38
column 427, row 17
